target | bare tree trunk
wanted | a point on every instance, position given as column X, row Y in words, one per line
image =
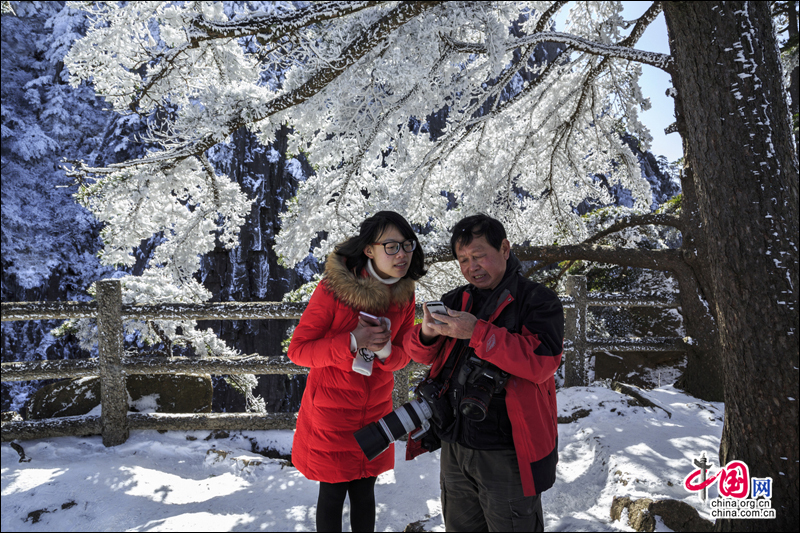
column 738, row 142
column 703, row 376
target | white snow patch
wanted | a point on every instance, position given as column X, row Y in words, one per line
column 179, row 481
column 145, row 404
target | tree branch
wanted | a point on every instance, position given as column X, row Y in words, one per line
column 641, row 24
column 354, row 165
column 547, row 255
column 269, row 28
column 652, row 259
column 621, row 50
column 278, row 25
column 363, row 43
column 547, row 15
column 657, row 219
column 459, row 132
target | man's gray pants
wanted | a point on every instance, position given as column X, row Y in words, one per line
column 482, row 491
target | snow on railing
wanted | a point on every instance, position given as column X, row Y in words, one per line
column 112, row 366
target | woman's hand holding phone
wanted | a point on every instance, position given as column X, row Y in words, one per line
column 371, row 333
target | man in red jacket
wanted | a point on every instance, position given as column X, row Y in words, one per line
column 493, row 359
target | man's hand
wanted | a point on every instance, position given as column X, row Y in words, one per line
column 457, row 324
column 428, row 334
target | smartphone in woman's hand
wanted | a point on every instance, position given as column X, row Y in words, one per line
column 372, row 320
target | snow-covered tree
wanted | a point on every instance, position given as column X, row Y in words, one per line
column 354, row 78
column 48, row 241
column 357, row 81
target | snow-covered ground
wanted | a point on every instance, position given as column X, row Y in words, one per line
column 180, row 481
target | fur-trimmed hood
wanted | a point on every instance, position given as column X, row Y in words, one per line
column 364, row 293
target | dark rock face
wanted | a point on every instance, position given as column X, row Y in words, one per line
column 251, row 271
column 662, row 185
column 176, row 393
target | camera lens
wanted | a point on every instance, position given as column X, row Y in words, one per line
column 372, row 439
column 376, row 437
column 474, row 406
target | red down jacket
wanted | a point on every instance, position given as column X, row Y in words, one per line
column 337, row 401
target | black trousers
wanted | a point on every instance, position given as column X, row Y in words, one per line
column 482, row 491
column 362, row 504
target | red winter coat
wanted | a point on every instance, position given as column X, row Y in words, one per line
column 338, row 401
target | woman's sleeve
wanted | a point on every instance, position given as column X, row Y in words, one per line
column 311, row 343
column 399, row 357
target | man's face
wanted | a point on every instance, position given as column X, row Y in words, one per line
column 481, row 264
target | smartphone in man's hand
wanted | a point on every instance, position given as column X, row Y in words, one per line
column 436, row 308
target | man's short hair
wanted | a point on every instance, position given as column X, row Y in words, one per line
column 476, row 226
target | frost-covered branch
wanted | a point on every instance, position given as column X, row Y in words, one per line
column 658, row 219
column 655, row 59
column 622, row 50
column 273, row 26
column 652, row 259
column 269, row 29
column 547, row 255
column 245, row 112
column 521, row 139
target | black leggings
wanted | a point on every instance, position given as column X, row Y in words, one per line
column 362, row 505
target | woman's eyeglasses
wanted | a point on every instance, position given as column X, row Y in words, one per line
column 391, row 248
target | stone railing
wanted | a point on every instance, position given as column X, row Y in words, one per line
column 112, row 366
column 577, row 345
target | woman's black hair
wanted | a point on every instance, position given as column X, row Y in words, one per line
column 372, row 228
column 477, row 226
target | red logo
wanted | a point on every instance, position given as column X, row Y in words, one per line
column 491, row 343
column 733, row 480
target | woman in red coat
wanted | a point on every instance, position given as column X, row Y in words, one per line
column 374, row 272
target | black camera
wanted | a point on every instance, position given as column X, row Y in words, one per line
column 375, row 438
column 480, row 380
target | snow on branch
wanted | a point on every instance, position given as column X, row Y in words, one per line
column 269, row 28
column 655, row 59
column 244, row 111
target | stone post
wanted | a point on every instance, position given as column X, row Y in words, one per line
column 400, row 392
column 575, row 330
column 113, row 392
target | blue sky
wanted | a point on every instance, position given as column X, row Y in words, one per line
column 654, row 82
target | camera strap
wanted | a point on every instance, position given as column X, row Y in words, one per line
column 446, row 381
